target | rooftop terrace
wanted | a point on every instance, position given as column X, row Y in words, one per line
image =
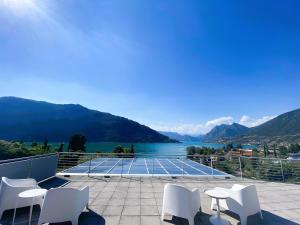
column 138, row 201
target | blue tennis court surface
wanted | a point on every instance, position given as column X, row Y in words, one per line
column 143, row 167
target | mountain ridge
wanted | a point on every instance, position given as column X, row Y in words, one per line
column 31, row 120
column 284, row 128
column 226, row 131
column 181, row 137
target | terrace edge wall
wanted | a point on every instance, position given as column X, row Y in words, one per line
column 39, row 167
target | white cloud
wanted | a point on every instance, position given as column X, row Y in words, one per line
column 195, row 129
column 218, row 121
column 250, row 122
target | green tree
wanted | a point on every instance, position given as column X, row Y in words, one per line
column 46, row 147
column 77, row 143
column 60, row 148
column 283, row 151
column 118, row 149
column 266, row 150
column 275, row 150
column 294, row 148
column 239, row 146
column 132, row 149
column 229, row 147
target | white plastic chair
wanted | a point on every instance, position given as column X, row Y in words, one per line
column 64, row 204
column 243, row 201
column 9, row 190
column 180, row 201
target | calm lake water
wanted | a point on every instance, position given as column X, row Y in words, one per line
column 146, row 148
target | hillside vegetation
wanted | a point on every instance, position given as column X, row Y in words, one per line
column 284, row 124
column 28, row 120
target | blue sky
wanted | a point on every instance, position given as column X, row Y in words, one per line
column 181, row 66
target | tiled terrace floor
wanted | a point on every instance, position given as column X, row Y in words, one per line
column 138, row 201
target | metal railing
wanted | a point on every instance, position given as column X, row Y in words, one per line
column 269, row 169
column 39, row 167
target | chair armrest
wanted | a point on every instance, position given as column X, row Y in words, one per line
column 24, row 183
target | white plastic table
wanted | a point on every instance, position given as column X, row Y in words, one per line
column 218, row 194
column 33, row 193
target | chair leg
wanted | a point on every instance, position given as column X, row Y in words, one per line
column 75, row 222
column 162, row 216
column 261, row 215
column 244, row 220
column 1, row 213
column 191, row 221
column 212, row 206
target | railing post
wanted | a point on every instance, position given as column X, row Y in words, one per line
column 241, row 170
column 90, row 165
column 281, row 170
column 29, row 168
column 122, row 166
column 211, row 165
column 56, row 169
column 152, row 159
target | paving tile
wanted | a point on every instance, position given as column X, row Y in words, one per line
column 139, row 201
column 149, row 210
column 150, row 220
column 132, row 201
column 100, row 201
column 133, row 195
column 116, row 201
column 113, row 210
column 147, row 195
column 112, row 220
column 132, row 210
column 148, row 201
column 99, row 209
column 130, row 220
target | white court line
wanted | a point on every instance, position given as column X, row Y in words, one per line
column 162, row 166
column 194, row 167
column 113, row 166
column 211, row 168
column 99, row 164
column 130, row 166
column 126, row 165
column 146, row 165
column 181, row 169
column 88, row 170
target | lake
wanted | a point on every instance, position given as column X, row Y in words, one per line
column 147, row 148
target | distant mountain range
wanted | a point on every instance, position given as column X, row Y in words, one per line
column 29, row 120
column 285, row 128
column 226, row 131
column 284, row 124
column 180, row 137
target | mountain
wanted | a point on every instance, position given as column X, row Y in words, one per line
column 284, row 129
column 29, row 120
column 284, row 124
column 226, row 131
column 180, row 137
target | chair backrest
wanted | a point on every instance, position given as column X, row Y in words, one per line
column 247, row 197
column 250, row 198
column 177, row 200
column 9, row 190
column 8, row 194
column 61, row 204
